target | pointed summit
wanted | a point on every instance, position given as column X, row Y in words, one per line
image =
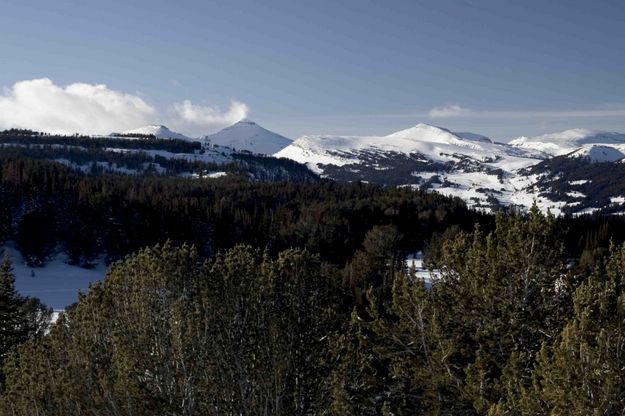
column 245, row 134
column 157, row 130
column 245, row 121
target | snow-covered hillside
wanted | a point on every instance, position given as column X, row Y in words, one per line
column 249, row 136
column 156, row 130
column 598, row 153
column 467, row 165
column 432, row 143
column 557, row 144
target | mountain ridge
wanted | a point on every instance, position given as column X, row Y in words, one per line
column 485, row 174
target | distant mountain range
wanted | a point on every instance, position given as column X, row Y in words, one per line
column 557, row 171
column 562, row 143
column 548, row 170
column 245, row 135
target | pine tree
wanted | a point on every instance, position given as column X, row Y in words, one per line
column 11, row 320
column 168, row 334
column 581, row 371
column 467, row 344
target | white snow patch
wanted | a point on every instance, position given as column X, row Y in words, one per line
column 576, row 194
column 586, row 211
column 416, row 261
column 57, row 283
column 617, row 200
column 214, row 175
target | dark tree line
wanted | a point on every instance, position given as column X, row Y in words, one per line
column 146, row 142
column 46, row 206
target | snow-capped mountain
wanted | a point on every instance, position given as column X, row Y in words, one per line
column 484, row 173
column 156, row 130
column 249, row 136
column 557, row 144
column 430, row 143
column 598, row 153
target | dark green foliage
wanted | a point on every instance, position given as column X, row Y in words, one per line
column 507, row 329
column 36, row 237
column 117, row 215
column 468, row 345
column 376, row 264
column 582, row 369
column 500, row 297
column 20, row 318
column 526, row 317
column 10, row 319
column 165, row 334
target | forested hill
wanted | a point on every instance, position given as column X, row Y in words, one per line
column 148, row 155
column 49, row 207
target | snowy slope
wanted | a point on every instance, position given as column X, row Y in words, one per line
column 557, row 144
column 546, row 170
column 159, row 131
column 598, row 153
column 430, row 142
column 247, row 135
column 466, row 165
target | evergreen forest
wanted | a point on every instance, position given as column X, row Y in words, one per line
column 233, row 296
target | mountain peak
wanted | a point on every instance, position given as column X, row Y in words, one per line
column 157, row 130
column 245, row 134
column 423, row 132
column 245, row 121
column 598, row 153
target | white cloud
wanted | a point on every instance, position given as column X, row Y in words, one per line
column 209, row 117
column 448, row 111
column 39, row 104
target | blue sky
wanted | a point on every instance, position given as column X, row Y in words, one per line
column 502, row 68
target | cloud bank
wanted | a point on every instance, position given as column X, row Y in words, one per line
column 42, row 105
